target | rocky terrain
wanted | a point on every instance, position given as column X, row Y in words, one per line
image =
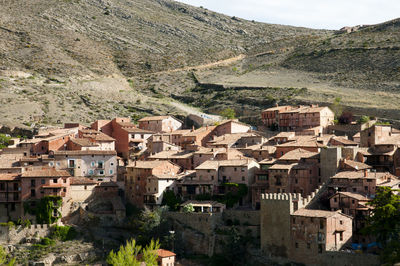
column 80, row 60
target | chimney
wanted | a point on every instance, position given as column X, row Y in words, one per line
column 276, row 105
column 365, row 173
column 192, row 128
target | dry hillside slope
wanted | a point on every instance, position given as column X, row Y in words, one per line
column 63, row 60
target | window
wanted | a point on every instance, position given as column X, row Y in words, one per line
column 71, row 163
column 354, row 189
column 341, row 222
column 243, row 178
column 43, row 181
column 296, row 181
column 235, row 169
column 112, row 164
column 51, row 164
column 296, row 245
column 55, row 180
column 320, row 248
column 58, row 164
column 101, row 172
column 341, row 236
column 93, row 163
column 353, row 201
column 111, row 172
column 308, row 245
column 366, row 188
column 33, row 183
column 54, row 190
column 100, row 164
column 321, row 224
column 91, row 172
column 85, row 187
column 33, row 193
column 2, row 186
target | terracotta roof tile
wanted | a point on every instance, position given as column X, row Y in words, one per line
column 316, row 213
column 154, row 118
column 48, row 172
column 162, row 253
column 148, row 164
column 86, row 152
column 82, row 181
column 297, row 154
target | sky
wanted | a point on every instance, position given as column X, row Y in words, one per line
column 317, row 14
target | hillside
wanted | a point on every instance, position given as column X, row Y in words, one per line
column 79, row 60
column 56, row 53
column 361, row 67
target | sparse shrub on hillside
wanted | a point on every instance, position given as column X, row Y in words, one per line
column 228, row 113
column 363, row 119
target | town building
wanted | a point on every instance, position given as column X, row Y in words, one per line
column 138, row 173
column 160, row 123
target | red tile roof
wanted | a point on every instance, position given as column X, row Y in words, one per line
column 48, row 172
column 165, row 253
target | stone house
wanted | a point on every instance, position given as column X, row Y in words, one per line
column 309, row 143
column 10, row 197
column 354, row 205
column 105, row 142
column 261, row 182
column 212, row 174
column 362, row 182
column 342, row 141
column 305, row 117
column 95, row 164
column 156, row 146
column 82, row 188
column 198, row 137
column 231, row 127
column 375, row 135
column 165, row 257
column 37, row 183
column 317, row 231
column 270, row 116
column 160, row 123
column 156, row 186
column 182, row 158
column 137, row 178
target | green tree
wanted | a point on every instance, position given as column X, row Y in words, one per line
column 151, row 224
column 337, row 107
column 171, row 200
column 4, row 141
column 3, row 258
column 228, row 113
column 129, row 254
column 384, row 223
column 150, row 253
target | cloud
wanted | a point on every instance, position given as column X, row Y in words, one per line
column 327, row 14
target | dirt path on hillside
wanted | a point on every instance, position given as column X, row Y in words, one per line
column 203, row 66
column 192, row 110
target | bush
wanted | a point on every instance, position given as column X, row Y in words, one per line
column 63, row 233
column 364, row 119
column 346, row 118
column 45, row 241
column 188, row 208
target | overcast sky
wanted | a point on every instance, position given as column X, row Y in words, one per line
column 319, row 14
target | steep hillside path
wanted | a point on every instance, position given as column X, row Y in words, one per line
column 203, row 66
